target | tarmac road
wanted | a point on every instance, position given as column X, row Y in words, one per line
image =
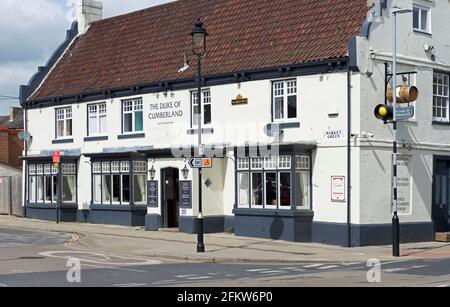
column 40, row 259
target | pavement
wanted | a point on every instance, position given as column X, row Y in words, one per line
column 220, row 248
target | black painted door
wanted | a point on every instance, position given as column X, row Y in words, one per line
column 441, row 196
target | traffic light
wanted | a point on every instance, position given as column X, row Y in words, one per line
column 384, row 112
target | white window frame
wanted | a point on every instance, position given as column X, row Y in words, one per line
column 63, row 115
column 240, row 205
column 207, row 100
column 286, row 171
column 441, row 95
column 421, row 10
column 266, row 206
column 252, row 204
column 97, row 111
column 285, row 92
column 137, row 106
column 302, row 165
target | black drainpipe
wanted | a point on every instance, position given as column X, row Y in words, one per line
column 349, row 153
column 25, row 180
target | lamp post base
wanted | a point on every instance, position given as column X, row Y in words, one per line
column 200, row 244
column 395, row 235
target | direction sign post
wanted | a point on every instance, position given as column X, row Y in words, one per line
column 56, row 159
column 200, row 163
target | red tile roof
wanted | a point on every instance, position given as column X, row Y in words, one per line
column 148, row 46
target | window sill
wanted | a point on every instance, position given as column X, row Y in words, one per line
column 274, row 212
column 62, row 141
column 51, row 206
column 204, row 131
column 131, row 136
column 422, row 32
column 438, row 123
column 96, row 138
column 107, row 207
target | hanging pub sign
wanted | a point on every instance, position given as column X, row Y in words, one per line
column 239, row 100
column 152, row 194
column 186, row 194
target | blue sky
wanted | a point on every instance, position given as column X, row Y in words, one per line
column 30, row 30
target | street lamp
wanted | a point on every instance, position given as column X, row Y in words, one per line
column 152, row 172
column 185, row 172
column 199, row 49
column 395, row 219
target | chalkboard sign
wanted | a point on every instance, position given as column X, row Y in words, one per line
column 152, row 194
column 186, row 194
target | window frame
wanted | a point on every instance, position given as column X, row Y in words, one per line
column 285, row 96
column 204, row 102
column 422, row 9
column 120, row 168
column 435, row 95
column 97, row 117
column 284, row 163
column 65, row 119
column 133, row 111
column 42, row 170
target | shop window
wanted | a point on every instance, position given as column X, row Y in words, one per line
column 441, row 97
column 303, row 182
column 64, row 122
column 97, row 119
column 257, row 190
column 112, row 182
column 284, row 100
column 133, row 116
column 206, row 97
column 43, row 183
column 276, row 182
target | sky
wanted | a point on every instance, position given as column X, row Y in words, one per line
column 30, row 30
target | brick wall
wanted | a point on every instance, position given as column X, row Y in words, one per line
column 10, row 148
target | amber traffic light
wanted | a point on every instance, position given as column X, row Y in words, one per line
column 384, row 112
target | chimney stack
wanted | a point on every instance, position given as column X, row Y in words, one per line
column 88, row 11
column 14, row 113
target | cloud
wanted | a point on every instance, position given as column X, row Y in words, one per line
column 32, row 29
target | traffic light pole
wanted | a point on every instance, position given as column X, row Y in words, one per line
column 395, row 218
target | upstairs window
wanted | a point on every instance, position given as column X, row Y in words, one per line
column 97, row 119
column 64, row 122
column 441, row 97
column 206, row 97
column 284, row 100
column 133, row 116
column 421, row 19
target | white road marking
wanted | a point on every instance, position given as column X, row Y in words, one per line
column 350, row 263
column 313, row 265
column 113, row 268
column 289, row 268
column 198, row 278
column 99, row 258
column 3, row 286
column 396, row 270
column 273, row 272
column 184, row 276
column 257, row 270
column 419, row 266
column 443, row 286
column 130, row 285
column 328, row 267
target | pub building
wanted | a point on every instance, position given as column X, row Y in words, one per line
column 288, row 93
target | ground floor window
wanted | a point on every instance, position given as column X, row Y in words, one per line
column 119, row 182
column 276, row 182
column 43, row 183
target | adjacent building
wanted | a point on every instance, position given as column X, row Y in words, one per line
column 288, row 93
column 11, row 146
